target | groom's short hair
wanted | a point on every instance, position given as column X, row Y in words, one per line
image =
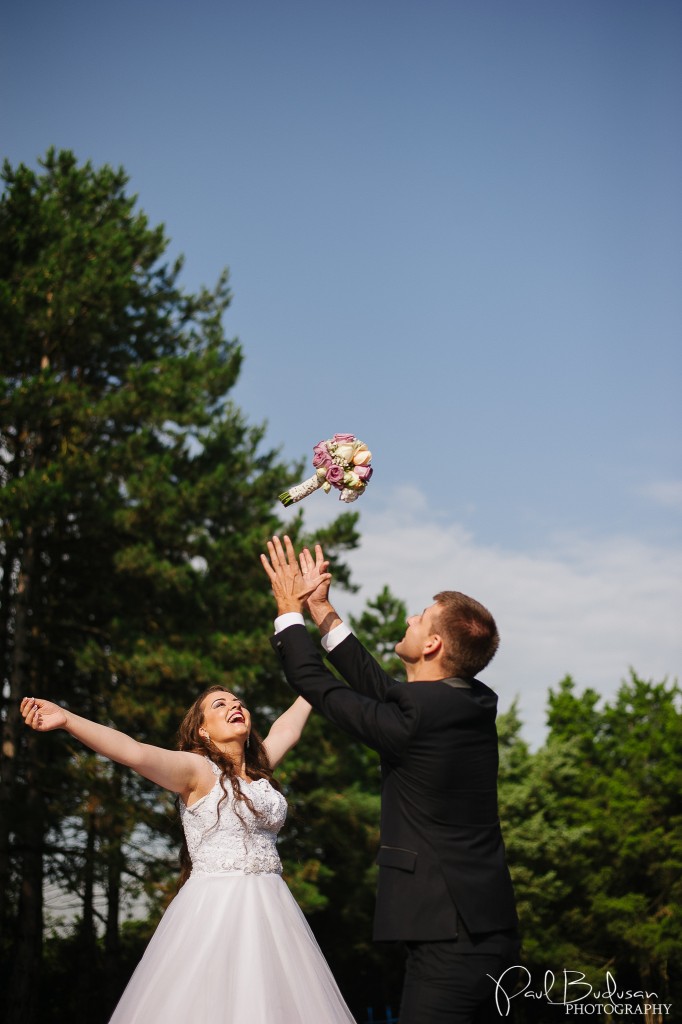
column 469, row 634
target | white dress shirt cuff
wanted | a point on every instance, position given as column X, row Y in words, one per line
column 334, row 637
column 288, row 619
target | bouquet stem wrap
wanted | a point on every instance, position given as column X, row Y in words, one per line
column 300, row 491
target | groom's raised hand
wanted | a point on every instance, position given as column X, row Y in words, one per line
column 290, row 586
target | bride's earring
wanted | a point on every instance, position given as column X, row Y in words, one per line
column 248, row 742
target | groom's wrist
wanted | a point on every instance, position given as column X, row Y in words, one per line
column 325, row 617
column 319, row 610
column 287, row 619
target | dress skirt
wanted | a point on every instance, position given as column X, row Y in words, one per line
column 232, row 948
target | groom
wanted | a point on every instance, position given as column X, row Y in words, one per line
column 444, row 886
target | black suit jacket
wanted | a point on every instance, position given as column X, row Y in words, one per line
column 441, row 850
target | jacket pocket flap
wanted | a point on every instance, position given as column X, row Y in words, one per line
column 395, row 857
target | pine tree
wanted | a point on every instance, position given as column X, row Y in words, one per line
column 135, row 501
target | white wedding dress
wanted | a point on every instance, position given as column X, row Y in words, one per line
column 233, row 947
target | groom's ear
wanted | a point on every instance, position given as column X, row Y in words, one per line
column 433, row 645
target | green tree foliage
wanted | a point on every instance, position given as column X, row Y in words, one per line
column 382, row 623
column 593, row 828
column 135, row 501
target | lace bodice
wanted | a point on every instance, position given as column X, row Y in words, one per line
column 220, row 841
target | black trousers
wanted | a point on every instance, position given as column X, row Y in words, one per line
column 446, row 983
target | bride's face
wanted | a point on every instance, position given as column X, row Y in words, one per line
column 225, row 718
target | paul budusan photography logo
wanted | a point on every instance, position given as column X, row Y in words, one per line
column 569, row 990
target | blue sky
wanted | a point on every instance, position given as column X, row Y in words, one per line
column 453, row 228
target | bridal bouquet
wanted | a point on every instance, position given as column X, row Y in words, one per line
column 342, row 462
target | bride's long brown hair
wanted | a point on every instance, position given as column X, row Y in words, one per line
column 257, row 765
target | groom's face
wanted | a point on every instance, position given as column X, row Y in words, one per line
column 420, row 628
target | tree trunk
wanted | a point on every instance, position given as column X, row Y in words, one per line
column 22, row 991
column 115, row 866
column 87, row 996
column 115, row 863
column 18, row 661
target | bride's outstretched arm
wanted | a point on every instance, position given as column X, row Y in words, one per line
column 286, row 731
column 176, row 770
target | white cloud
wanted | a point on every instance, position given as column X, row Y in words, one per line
column 588, row 608
column 666, row 493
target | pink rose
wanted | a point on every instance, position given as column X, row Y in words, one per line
column 343, row 438
column 321, row 456
column 364, row 472
column 335, row 475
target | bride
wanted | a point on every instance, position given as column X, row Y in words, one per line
column 233, row 947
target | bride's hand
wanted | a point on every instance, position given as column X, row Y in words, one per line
column 316, row 576
column 42, row 715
